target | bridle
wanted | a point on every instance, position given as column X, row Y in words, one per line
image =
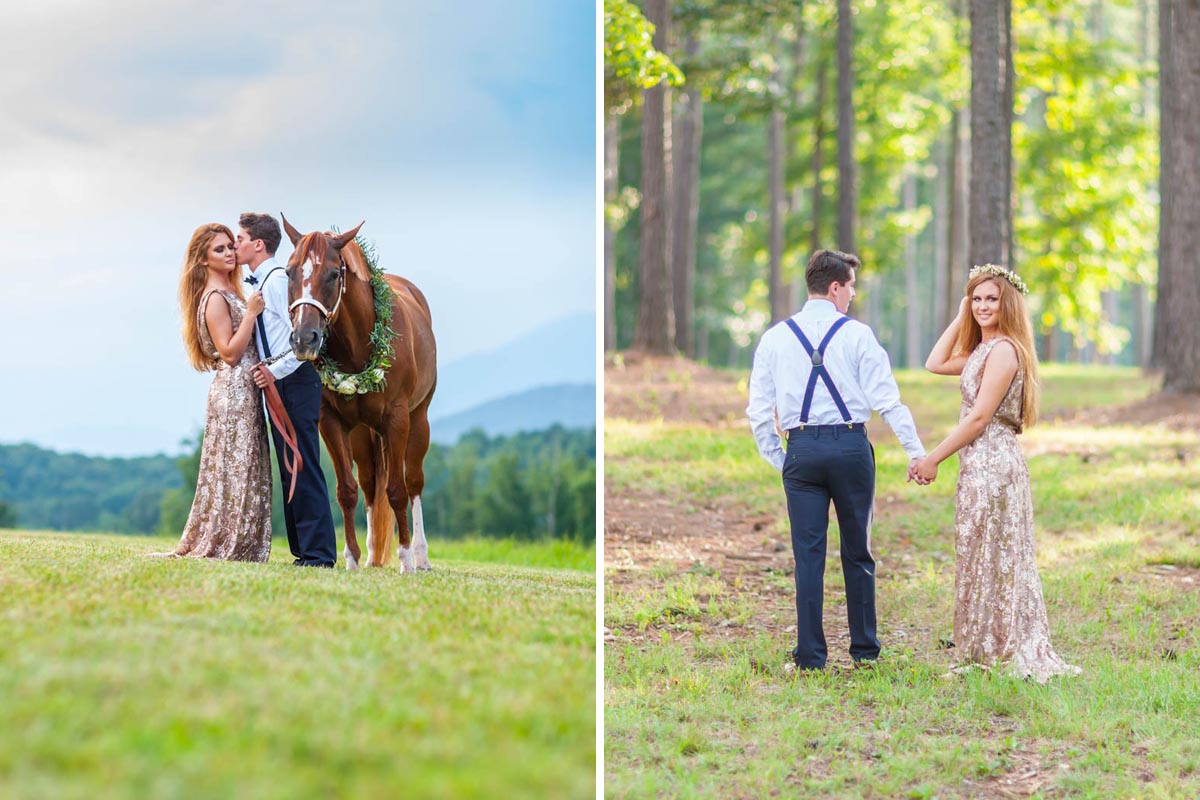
column 317, row 304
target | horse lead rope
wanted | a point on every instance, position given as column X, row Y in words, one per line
column 283, row 424
column 275, row 409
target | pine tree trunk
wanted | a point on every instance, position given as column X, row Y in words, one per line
column 778, row 210
column 612, row 132
column 1166, row 141
column 1010, row 82
column 796, row 201
column 1110, row 303
column 943, row 158
column 1179, row 304
column 847, row 180
column 818, row 158
column 1143, row 315
column 960, row 177
column 655, row 332
column 912, row 299
column 990, row 221
column 686, row 208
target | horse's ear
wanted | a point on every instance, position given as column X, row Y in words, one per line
column 340, row 240
column 292, row 233
column 355, row 261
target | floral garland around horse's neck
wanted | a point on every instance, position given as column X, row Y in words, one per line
column 1000, row 272
column 373, row 378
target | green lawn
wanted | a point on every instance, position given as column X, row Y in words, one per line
column 696, row 704
column 123, row 676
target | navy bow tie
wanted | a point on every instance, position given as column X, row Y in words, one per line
column 251, row 280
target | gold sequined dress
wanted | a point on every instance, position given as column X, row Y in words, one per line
column 231, row 514
column 999, row 614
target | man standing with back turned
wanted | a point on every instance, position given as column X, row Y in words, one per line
column 307, row 516
column 822, row 373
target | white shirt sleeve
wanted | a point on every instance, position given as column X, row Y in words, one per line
column 278, row 325
column 761, row 409
column 876, row 379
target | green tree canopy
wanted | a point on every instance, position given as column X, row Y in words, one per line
column 631, row 63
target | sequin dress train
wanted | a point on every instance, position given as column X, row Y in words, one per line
column 231, row 514
column 999, row 613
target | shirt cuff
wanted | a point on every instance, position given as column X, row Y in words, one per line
column 284, row 367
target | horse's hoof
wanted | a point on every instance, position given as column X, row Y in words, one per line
column 425, row 568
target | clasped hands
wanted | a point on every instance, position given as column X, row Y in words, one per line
column 922, row 470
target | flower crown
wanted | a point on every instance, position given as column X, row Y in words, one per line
column 1000, row 272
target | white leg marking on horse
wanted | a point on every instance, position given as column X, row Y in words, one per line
column 420, row 546
column 405, row 555
column 370, row 541
column 351, row 563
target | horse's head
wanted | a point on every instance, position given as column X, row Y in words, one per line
column 316, row 281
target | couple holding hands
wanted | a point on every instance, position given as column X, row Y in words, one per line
column 819, row 374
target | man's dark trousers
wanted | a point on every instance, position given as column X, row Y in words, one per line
column 308, row 518
column 835, row 462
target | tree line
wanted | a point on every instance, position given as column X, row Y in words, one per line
column 46, row 490
column 924, row 135
column 529, row 486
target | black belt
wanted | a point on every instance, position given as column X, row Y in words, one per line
column 842, row 427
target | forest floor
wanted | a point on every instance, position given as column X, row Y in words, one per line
column 699, row 605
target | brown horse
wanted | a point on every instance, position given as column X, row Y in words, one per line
column 386, row 432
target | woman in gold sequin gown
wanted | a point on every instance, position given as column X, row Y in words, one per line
column 231, row 513
column 999, row 612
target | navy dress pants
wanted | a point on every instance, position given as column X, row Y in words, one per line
column 308, row 518
column 831, row 462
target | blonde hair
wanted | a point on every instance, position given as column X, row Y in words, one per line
column 191, row 289
column 1013, row 322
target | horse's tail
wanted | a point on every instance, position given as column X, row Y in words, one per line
column 383, row 519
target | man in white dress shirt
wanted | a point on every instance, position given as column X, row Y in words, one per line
column 307, row 516
column 821, row 373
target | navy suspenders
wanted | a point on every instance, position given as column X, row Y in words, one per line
column 262, row 329
column 818, row 370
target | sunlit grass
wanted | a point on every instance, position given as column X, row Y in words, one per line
column 692, row 712
column 124, row 676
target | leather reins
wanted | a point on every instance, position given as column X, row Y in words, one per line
column 283, row 424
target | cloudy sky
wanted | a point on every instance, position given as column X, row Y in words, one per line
column 463, row 133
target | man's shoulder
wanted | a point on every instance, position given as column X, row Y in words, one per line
column 777, row 331
column 274, row 270
column 856, row 329
column 275, row 277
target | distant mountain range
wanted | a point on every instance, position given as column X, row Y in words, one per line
column 558, row 353
column 571, row 406
column 545, row 377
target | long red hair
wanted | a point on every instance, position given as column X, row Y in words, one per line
column 191, row 289
column 1013, row 322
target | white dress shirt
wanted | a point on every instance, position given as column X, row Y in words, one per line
column 275, row 319
column 857, row 365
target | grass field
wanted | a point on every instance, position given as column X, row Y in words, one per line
column 123, row 676
column 697, row 705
